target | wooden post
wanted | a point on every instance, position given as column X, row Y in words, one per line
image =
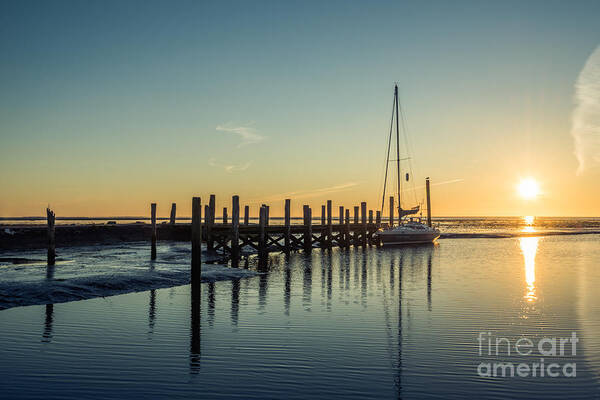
column 347, row 229
column 224, row 215
column 329, row 221
column 377, row 226
column 235, row 222
column 363, row 215
column 322, row 230
column 341, row 233
column 428, row 202
column 262, row 238
column 246, row 215
column 196, row 239
column 370, row 227
column 173, row 211
column 391, row 211
column 50, row 218
column 356, row 234
column 307, row 228
column 153, row 217
column 305, row 223
column 209, row 221
column 287, row 223
column 267, row 211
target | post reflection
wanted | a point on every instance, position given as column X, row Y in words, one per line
column 152, row 311
column 48, row 321
column 363, row 279
column 398, row 281
column 341, row 268
column 235, row 301
column 50, row 272
column 263, row 284
column 307, row 283
column 288, row 284
column 195, row 328
column 327, row 259
column 529, row 246
column 211, row 303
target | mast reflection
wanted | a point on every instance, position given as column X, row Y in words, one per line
column 398, row 380
column 327, row 259
column 429, row 263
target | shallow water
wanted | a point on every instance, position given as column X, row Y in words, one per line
column 84, row 272
column 373, row 323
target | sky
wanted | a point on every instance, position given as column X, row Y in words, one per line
column 108, row 106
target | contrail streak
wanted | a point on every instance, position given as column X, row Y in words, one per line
column 586, row 114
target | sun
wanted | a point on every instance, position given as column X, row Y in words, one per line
column 528, row 188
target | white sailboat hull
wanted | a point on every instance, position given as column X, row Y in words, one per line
column 408, row 235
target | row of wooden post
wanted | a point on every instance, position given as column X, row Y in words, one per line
column 326, row 222
column 360, row 237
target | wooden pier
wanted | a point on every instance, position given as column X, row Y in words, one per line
column 229, row 237
column 233, row 237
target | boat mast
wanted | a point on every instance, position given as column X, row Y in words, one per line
column 398, row 152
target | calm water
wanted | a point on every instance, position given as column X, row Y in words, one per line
column 374, row 323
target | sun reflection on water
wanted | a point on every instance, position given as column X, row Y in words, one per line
column 529, row 246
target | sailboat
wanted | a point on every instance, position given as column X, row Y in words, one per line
column 410, row 230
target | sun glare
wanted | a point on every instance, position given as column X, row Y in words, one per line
column 528, row 188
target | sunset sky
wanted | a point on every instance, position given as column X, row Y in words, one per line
column 108, row 106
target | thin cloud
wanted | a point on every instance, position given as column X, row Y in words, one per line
column 247, row 134
column 304, row 194
column 237, row 168
column 448, row 182
column 230, row 168
column 585, row 127
column 442, row 183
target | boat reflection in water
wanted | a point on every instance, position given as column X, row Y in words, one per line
column 355, row 323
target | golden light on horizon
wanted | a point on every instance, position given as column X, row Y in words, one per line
column 529, row 219
column 528, row 188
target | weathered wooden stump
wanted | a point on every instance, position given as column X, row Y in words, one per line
column 153, row 218
column 51, row 219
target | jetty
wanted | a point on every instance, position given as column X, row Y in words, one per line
column 233, row 234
